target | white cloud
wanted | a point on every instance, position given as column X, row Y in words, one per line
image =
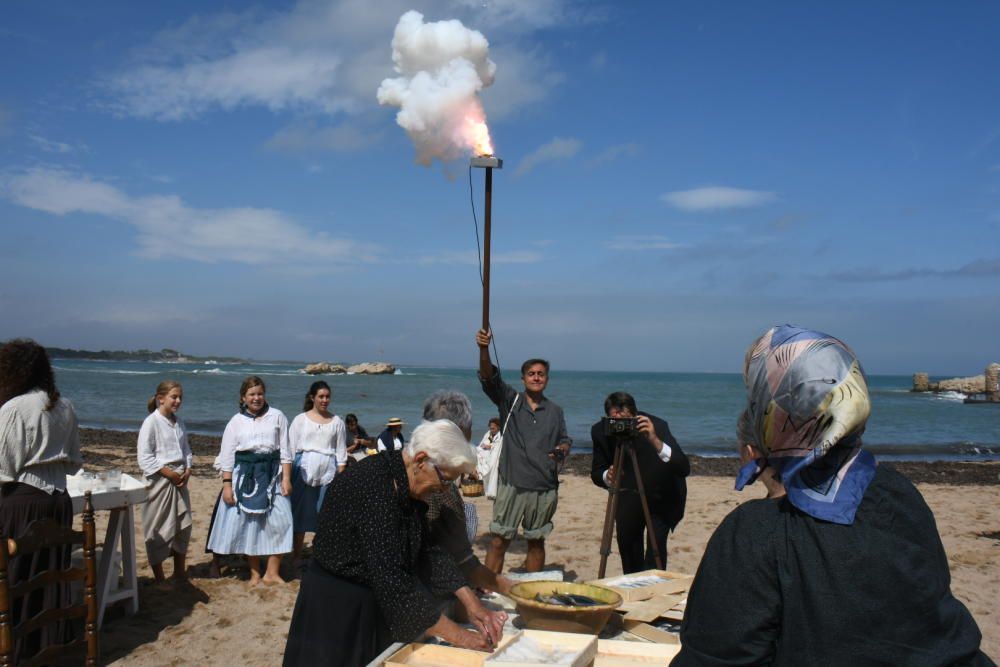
column 50, row 146
column 557, row 149
column 308, row 137
column 472, row 258
column 169, row 229
column 320, row 56
column 717, row 198
column 638, row 242
column 612, row 153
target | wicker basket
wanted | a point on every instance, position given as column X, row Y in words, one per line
column 472, row 487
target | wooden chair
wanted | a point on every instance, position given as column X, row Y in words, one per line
column 46, row 534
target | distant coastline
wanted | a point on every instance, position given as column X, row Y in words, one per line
column 166, row 354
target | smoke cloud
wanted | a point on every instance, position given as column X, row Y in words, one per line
column 442, row 66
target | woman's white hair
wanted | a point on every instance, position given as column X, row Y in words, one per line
column 444, row 443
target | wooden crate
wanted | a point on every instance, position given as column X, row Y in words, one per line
column 611, row 653
column 434, row 655
column 585, row 647
column 651, row 633
column 674, row 582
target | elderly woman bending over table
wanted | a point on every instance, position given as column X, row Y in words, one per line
column 375, row 577
column 842, row 563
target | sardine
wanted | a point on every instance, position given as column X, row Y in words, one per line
column 566, row 600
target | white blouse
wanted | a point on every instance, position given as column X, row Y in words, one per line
column 163, row 443
column 260, row 435
column 323, row 447
column 38, row 447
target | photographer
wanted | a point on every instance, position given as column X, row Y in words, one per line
column 663, row 467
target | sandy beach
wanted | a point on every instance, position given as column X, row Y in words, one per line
column 217, row 621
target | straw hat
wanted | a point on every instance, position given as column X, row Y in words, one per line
column 395, row 421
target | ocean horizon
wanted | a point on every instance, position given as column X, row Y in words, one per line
column 701, row 408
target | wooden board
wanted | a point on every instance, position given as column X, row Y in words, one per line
column 674, row 582
column 584, row 645
column 651, row 633
column 433, row 655
column 611, row 653
column 653, row 608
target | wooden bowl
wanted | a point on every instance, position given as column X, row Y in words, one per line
column 543, row 616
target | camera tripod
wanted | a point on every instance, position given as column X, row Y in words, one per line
column 612, row 508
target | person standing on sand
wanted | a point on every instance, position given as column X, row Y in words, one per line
column 663, row 467
column 165, row 460
column 319, row 439
column 39, row 446
column 534, row 444
column 255, row 516
column 391, row 439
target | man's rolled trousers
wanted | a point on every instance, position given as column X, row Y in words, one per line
column 663, row 477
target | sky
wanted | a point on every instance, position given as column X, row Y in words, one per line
column 219, row 178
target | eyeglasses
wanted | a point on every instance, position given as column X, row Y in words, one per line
column 441, row 478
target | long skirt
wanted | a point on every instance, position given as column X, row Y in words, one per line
column 166, row 519
column 20, row 504
column 355, row 638
column 236, row 532
column 306, row 501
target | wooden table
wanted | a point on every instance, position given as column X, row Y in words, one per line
column 120, row 531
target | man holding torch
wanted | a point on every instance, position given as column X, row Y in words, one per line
column 535, row 444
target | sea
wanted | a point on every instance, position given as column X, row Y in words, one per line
column 701, row 408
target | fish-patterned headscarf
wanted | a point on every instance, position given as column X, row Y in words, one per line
column 807, row 404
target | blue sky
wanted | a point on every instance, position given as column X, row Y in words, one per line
column 219, row 178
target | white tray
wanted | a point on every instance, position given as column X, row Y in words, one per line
column 132, row 492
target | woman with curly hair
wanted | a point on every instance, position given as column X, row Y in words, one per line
column 39, row 446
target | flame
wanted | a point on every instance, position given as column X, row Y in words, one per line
column 476, row 135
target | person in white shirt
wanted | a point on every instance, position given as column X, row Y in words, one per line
column 319, row 440
column 39, row 446
column 255, row 515
column 391, row 439
column 486, row 458
column 165, row 459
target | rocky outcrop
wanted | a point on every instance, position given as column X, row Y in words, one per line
column 324, row 368
column 367, row 368
column 968, row 385
column 372, row 368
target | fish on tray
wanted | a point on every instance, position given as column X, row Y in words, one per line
column 567, row 600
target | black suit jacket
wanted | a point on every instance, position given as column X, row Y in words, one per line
column 666, row 488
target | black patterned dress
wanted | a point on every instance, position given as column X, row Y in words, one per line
column 375, row 575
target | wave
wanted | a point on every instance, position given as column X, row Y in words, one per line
column 103, row 371
column 950, row 396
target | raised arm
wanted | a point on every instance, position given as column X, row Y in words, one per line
column 483, row 338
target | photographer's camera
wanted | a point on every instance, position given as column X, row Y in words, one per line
column 622, row 427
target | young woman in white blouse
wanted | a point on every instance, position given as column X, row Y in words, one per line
column 255, row 515
column 319, row 440
column 165, row 459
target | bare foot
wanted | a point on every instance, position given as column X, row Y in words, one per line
column 214, row 571
column 272, row 579
column 163, row 585
column 254, row 578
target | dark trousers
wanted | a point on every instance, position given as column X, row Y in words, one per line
column 630, row 525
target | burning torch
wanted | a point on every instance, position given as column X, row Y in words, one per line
column 489, row 163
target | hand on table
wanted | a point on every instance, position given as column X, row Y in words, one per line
column 489, row 623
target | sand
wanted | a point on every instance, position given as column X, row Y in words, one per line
column 217, row 621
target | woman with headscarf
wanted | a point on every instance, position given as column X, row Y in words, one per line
column 375, row 576
column 842, row 564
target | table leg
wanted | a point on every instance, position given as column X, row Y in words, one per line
column 130, row 578
column 104, row 578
